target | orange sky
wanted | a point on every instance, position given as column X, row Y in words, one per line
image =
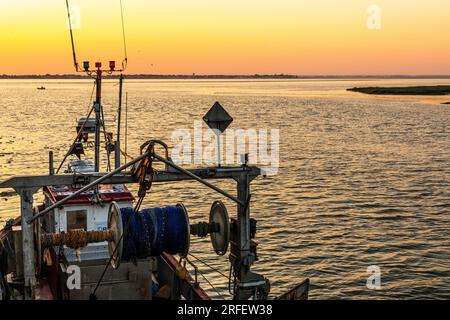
column 230, row 36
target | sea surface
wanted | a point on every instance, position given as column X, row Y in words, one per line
column 363, row 180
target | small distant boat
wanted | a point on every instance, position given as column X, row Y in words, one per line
column 41, row 88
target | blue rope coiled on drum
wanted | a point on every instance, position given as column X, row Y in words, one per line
column 154, row 231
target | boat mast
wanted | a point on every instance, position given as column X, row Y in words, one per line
column 98, row 73
column 119, row 121
column 98, row 113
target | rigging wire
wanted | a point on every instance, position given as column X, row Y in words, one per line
column 74, row 56
column 126, row 125
column 105, row 135
column 125, row 230
column 209, row 266
column 72, row 41
column 125, row 60
column 212, row 286
column 91, row 99
column 92, row 296
column 232, row 272
column 229, row 280
column 75, row 61
column 214, row 269
column 127, row 225
column 80, row 131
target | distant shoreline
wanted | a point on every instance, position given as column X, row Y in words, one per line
column 225, row 77
column 400, row 91
column 406, row 91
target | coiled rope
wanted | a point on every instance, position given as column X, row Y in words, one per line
column 75, row 239
column 154, row 231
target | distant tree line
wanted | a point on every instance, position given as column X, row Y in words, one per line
column 254, row 76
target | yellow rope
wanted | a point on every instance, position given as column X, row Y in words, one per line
column 75, row 239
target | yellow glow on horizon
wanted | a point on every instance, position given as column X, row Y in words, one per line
column 230, row 36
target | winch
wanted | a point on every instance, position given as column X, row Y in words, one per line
column 148, row 233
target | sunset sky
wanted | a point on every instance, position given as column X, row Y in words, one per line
column 310, row 37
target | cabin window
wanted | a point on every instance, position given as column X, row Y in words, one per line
column 77, row 219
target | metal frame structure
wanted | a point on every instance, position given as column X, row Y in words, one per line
column 241, row 255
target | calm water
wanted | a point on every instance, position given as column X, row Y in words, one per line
column 363, row 180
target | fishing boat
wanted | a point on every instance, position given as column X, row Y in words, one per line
column 41, row 88
column 92, row 239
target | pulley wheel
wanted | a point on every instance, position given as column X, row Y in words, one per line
column 221, row 239
column 115, row 246
column 187, row 241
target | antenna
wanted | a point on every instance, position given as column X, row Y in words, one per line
column 86, row 64
column 125, row 60
column 97, row 73
column 75, row 62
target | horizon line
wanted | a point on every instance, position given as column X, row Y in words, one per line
column 229, row 76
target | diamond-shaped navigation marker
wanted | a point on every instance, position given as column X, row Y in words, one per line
column 218, row 118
